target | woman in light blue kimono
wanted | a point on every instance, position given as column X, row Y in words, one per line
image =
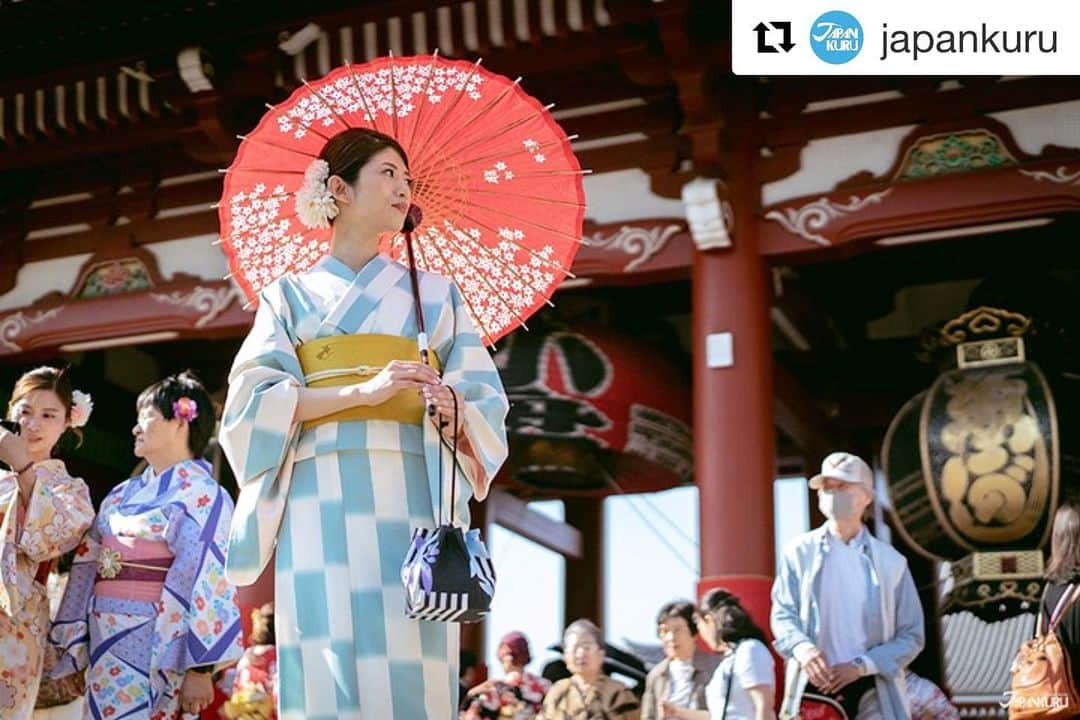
column 337, row 470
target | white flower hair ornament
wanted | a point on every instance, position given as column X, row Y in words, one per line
column 81, row 407
column 315, row 205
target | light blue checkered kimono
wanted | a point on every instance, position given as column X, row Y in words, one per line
column 341, row 499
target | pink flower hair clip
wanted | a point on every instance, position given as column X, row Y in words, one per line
column 186, row 409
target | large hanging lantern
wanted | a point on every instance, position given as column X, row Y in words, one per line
column 972, row 464
column 593, row 412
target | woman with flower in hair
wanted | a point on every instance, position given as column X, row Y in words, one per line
column 43, row 513
column 336, row 458
column 147, row 610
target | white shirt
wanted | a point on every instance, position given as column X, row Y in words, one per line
column 681, row 690
column 753, row 666
column 842, row 604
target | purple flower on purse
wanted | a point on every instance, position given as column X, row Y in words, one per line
column 425, row 551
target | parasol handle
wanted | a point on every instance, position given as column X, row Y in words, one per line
column 412, row 219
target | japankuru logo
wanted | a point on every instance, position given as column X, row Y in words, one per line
column 836, row 37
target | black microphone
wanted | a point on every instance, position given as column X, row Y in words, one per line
column 413, row 217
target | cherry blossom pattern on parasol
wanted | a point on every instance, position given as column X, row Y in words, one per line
column 500, row 187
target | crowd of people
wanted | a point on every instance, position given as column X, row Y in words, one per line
column 846, row 622
column 356, row 376
column 150, row 624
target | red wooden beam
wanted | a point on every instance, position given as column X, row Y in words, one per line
column 974, row 101
column 796, row 413
column 516, row 515
column 658, row 116
column 655, row 154
column 58, row 151
column 139, row 233
column 836, row 222
column 187, row 308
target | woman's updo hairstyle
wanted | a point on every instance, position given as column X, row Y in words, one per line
column 350, row 150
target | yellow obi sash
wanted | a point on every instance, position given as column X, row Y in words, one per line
column 347, row 359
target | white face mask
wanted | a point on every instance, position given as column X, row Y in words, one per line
column 837, row 504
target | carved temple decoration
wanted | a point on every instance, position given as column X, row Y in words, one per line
column 711, row 217
column 120, row 293
column 1060, row 175
column 114, row 277
column 208, row 302
column 178, row 309
column 17, row 324
column 640, row 243
column 962, row 151
column 809, row 220
column 634, row 249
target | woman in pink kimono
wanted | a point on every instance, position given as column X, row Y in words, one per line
column 43, row 513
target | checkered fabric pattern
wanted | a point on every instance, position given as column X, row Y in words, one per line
column 341, row 500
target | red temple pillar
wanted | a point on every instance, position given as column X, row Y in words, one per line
column 584, row 589
column 734, row 435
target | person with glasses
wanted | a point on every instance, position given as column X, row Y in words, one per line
column 588, row 694
column 743, row 685
column 680, row 678
column 147, row 612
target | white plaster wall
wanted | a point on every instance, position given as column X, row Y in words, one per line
column 193, row 255
column 1035, row 128
column 625, row 195
column 827, row 161
column 40, row 278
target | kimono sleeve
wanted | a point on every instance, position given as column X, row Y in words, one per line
column 258, row 433
column 199, row 623
column 469, row 369
column 57, row 515
column 256, row 426
column 70, row 633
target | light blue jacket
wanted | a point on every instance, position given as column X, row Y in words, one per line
column 895, row 634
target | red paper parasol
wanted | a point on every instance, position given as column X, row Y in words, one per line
column 499, row 186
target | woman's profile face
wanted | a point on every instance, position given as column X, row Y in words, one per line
column 42, row 418
column 154, row 434
column 382, row 192
column 707, row 630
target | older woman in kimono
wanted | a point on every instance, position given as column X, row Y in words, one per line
column 338, row 473
column 43, row 513
column 147, row 607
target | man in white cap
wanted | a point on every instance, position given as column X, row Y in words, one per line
column 845, row 612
